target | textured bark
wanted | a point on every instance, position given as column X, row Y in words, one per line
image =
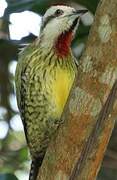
column 78, row 148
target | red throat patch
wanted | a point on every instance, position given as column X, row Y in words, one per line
column 62, row 45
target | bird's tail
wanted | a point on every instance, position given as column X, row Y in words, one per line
column 35, row 165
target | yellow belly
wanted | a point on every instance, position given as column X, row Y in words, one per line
column 61, row 89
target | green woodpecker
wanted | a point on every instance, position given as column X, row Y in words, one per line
column 44, row 75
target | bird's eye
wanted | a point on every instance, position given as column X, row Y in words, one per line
column 58, row 12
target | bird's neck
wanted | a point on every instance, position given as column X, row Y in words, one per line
column 60, row 45
column 63, row 43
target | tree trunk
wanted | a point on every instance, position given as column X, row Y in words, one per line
column 77, row 150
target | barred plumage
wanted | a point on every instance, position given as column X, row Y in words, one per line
column 43, row 81
column 37, row 97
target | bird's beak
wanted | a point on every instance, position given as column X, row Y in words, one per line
column 75, row 16
column 80, row 12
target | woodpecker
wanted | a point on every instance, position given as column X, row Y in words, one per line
column 45, row 73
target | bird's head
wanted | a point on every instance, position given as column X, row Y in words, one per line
column 58, row 27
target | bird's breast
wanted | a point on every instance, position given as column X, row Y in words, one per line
column 61, row 89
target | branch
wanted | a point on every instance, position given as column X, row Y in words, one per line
column 96, row 134
column 80, row 143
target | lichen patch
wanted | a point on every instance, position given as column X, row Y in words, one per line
column 84, row 103
column 61, row 176
column 105, row 29
column 87, row 64
column 109, row 76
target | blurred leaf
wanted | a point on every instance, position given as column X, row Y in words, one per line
column 107, row 174
column 7, row 177
column 81, row 35
column 82, row 31
column 18, row 6
column 9, row 47
column 23, row 154
column 40, row 6
column 91, row 5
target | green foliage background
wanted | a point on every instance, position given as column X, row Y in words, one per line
column 14, row 155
